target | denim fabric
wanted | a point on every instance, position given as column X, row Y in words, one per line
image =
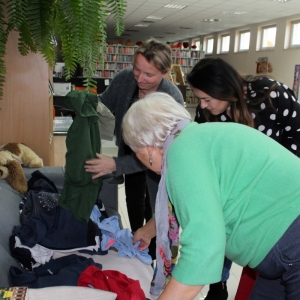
column 279, row 272
column 226, row 269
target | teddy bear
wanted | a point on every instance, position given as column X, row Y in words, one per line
column 12, row 157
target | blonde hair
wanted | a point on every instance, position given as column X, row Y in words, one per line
column 150, row 120
column 156, row 53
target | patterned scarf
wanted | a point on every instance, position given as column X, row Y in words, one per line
column 167, row 227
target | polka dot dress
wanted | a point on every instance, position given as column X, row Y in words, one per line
column 280, row 121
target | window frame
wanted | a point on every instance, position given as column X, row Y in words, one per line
column 240, row 40
column 263, row 30
column 226, row 35
column 293, row 23
column 197, row 42
column 207, row 39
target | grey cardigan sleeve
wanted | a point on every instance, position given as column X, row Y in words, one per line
column 128, row 164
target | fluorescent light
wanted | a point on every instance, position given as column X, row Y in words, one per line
column 211, row 20
column 141, row 25
column 235, row 12
column 175, row 6
column 282, row 1
column 154, row 17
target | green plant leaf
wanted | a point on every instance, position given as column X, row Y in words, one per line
column 79, row 24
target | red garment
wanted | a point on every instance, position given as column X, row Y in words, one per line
column 246, row 284
column 112, row 281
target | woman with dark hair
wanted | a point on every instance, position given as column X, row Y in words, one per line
column 256, row 101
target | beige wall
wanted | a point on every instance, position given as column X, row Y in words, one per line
column 283, row 60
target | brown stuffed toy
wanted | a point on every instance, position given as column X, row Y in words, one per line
column 12, row 157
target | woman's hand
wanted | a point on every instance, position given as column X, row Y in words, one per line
column 101, row 166
column 145, row 234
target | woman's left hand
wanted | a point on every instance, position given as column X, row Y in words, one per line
column 101, row 166
column 145, row 234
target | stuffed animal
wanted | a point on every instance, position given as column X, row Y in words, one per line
column 12, row 157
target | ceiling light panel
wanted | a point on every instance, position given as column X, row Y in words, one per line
column 211, row 20
column 141, row 25
column 154, row 17
column 235, row 12
column 175, row 6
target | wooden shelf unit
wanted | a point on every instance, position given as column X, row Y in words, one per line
column 118, row 57
column 186, row 58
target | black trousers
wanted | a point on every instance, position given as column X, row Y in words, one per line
column 138, row 204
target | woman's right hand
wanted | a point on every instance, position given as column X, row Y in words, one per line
column 145, row 234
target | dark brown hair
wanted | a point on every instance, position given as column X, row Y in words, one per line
column 221, row 81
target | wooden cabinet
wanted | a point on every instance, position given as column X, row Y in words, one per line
column 26, row 114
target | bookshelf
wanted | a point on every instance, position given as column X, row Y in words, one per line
column 186, row 58
column 118, row 57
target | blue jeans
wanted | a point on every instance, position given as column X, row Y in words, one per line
column 279, row 272
column 226, row 269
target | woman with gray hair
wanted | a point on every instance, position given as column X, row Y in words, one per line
column 224, row 185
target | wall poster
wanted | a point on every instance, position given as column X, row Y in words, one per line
column 296, row 81
column 263, row 66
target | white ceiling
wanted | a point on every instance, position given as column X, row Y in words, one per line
column 193, row 15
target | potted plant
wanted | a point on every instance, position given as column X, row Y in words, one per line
column 79, row 24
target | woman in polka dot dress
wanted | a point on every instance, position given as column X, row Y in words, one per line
column 259, row 102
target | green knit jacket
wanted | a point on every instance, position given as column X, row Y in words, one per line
column 80, row 191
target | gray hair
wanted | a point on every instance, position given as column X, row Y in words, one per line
column 157, row 53
column 150, row 120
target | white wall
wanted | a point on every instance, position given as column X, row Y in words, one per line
column 282, row 60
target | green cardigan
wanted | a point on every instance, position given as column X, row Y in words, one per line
column 235, row 192
column 80, row 191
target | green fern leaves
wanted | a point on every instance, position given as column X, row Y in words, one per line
column 79, row 24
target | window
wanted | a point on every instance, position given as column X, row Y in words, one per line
column 295, row 34
column 209, row 45
column 268, row 37
column 225, row 40
column 244, row 40
column 197, row 43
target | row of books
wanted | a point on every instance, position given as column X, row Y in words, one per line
column 118, row 49
column 188, row 53
column 119, row 57
column 106, row 73
column 114, row 66
column 184, row 61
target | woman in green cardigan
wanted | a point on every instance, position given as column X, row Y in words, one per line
column 234, row 192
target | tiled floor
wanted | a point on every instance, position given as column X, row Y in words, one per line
column 109, row 148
